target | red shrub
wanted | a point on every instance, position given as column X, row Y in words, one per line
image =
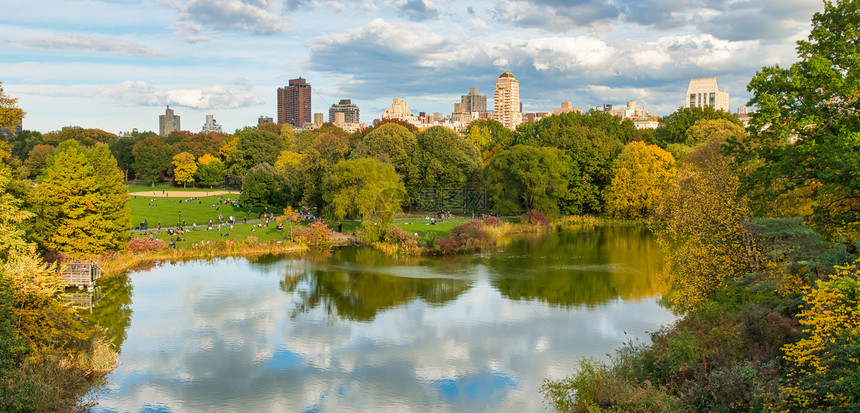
column 141, row 244
column 535, row 218
column 492, row 221
column 317, row 233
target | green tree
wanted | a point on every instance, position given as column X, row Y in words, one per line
column 705, row 129
column 673, row 127
column 805, row 133
column 490, row 137
column 184, row 168
column 639, row 175
column 264, row 186
column 443, row 158
column 254, row 146
column 389, row 143
column 151, row 158
column 359, row 188
column 525, row 178
column 81, row 203
column 23, row 143
column 122, row 152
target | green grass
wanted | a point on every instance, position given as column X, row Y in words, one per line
column 239, row 233
column 416, row 225
column 170, row 212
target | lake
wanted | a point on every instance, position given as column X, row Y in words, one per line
column 354, row 330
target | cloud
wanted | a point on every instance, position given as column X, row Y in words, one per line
column 210, row 97
column 259, row 17
column 554, row 15
column 66, row 41
column 417, row 10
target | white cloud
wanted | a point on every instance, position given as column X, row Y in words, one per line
column 210, row 97
column 77, row 41
column 259, row 17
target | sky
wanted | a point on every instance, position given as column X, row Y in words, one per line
column 116, row 64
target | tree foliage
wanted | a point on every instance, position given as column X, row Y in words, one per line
column 490, row 137
column 184, row 168
column 673, row 127
column 806, row 133
column 443, row 158
column 389, row 143
column 151, row 158
column 524, row 177
column 210, row 170
column 10, row 114
column 360, row 188
column 639, row 175
column 265, row 187
column 81, row 203
column 701, row 224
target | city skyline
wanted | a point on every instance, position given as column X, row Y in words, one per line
column 115, row 65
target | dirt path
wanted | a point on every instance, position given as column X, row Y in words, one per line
column 183, row 194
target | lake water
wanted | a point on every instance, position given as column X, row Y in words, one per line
column 354, row 330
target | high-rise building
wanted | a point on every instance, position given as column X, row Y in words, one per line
column 400, row 110
column 294, row 103
column 473, row 102
column 264, row 120
column 704, row 93
column 318, row 120
column 211, row 125
column 168, row 122
column 507, row 103
column 349, row 110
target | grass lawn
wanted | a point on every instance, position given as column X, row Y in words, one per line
column 239, row 233
column 416, row 225
column 170, row 211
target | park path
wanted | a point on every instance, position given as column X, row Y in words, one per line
column 183, row 194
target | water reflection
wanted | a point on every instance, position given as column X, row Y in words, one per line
column 358, row 331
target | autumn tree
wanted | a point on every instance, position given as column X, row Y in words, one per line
column 490, row 137
column 524, row 177
column 184, row 168
column 210, row 170
column 360, row 188
column 37, row 159
column 81, row 203
column 10, row 114
column 673, row 127
column 701, row 225
column 639, row 175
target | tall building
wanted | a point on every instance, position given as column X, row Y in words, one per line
column 474, row 102
column 168, row 122
column 704, row 93
column 294, row 103
column 349, row 110
column 400, row 110
column 264, row 120
column 507, row 103
column 210, row 125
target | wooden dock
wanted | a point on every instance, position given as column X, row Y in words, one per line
column 81, row 274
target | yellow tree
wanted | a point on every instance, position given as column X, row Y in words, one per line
column 639, row 175
column 10, row 114
column 184, row 168
column 700, row 223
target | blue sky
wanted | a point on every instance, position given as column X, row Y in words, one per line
column 115, row 64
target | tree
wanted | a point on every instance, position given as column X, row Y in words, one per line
column 151, row 158
column 443, row 158
column 23, row 143
column 673, row 127
column 490, row 137
column 10, row 114
column 210, row 170
column 639, row 175
column 359, row 188
column 81, row 203
column 265, row 187
column 184, row 168
column 702, row 227
column 705, row 129
column 12, row 220
column 199, row 144
column 38, row 159
column 805, row 132
column 389, row 143
column 254, row 146
column 525, row 178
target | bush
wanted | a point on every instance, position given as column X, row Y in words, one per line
column 316, row 234
column 492, row 221
column 142, row 244
column 471, row 235
column 534, row 217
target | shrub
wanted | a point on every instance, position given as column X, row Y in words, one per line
column 142, row 244
column 534, row 217
column 492, row 221
column 471, row 235
column 316, row 234
column 252, row 240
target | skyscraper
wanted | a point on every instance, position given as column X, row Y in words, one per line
column 168, row 122
column 294, row 103
column 507, row 102
column 473, row 102
column 349, row 110
column 704, row 92
column 211, row 125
